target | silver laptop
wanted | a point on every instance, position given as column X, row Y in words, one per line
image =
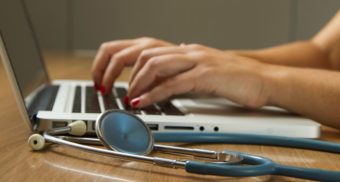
column 46, row 104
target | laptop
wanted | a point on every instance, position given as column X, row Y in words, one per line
column 46, row 104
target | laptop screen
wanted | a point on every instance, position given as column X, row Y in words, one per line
column 21, row 46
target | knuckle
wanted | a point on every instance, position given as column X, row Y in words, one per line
column 196, row 46
column 202, row 55
column 147, row 39
column 117, row 57
column 153, row 63
column 104, row 46
column 145, row 55
column 117, row 60
column 144, row 38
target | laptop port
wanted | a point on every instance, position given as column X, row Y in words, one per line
column 153, row 127
column 216, row 129
column 59, row 124
column 179, row 127
column 201, row 128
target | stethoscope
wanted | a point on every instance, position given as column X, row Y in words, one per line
column 129, row 138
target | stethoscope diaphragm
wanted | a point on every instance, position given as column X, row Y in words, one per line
column 124, row 132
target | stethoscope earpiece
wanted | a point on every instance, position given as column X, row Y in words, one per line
column 36, row 142
column 78, row 128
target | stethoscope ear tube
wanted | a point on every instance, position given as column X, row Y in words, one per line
column 234, row 138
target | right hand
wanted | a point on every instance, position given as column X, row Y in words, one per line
column 113, row 56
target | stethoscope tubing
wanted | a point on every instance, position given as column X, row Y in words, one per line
column 307, row 173
column 261, row 166
column 252, row 139
column 255, row 166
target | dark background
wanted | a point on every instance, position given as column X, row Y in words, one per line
column 81, row 25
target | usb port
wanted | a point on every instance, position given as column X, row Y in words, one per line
column 153, row 127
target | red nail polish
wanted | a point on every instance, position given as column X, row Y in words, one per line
column 126, row 100
column 135, row 102
column 102, row 89
column 96, row 86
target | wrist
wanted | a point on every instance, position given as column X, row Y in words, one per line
column 276, row 86
column 257, row 81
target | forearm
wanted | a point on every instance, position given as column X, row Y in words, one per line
column 321, row 51
column 297, row 54
column 309, row 92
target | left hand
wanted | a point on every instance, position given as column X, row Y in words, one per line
column 165, row 71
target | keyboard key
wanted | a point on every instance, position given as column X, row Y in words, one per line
column 77, row 100
column 121, row 92
column 92, row 103
column 169, row 109
column 110, row 102
column 130, row 109
column 152, row 110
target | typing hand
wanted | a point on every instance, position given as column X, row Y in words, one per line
column 113, row 56
column 165, row 71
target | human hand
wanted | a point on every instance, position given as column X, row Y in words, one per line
column 197, row 68
column 113, row 56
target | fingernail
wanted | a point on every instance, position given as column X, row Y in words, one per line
column 102, row 89
column 135, row 102
column 96, row 86
column 126, row 100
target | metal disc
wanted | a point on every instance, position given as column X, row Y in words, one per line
column 124, row 132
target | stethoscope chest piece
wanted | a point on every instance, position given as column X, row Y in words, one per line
column 124, row 132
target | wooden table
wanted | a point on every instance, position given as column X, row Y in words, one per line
column 59, row 163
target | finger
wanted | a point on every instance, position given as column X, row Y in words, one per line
column 118, row 61
column 179, row 84
column 159, row 67
column 103, row 57
column 149, row 53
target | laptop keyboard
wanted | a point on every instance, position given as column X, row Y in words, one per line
column 115, row 100
column 91, row 101
column 77, row 100
column 110, row 102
